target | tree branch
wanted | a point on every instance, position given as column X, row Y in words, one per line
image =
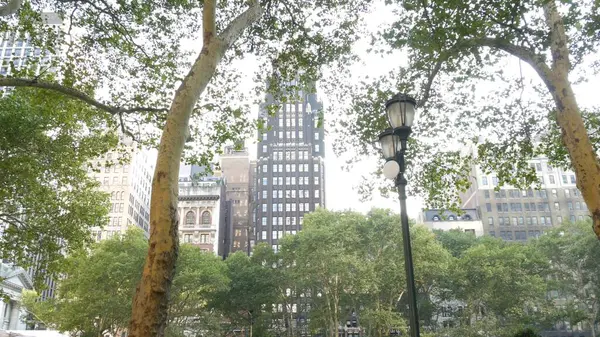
column 430, row 79
column 208, row 21
column 11, row 7
column 558, row 37
column 74, row 93
column 237, row 26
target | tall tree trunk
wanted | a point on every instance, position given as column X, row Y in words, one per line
column 574, row 134
column 150, row 304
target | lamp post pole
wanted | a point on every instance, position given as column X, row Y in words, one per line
column 400, row 112
column 408, row 260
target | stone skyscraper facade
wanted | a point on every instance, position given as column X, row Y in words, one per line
column 290, row 167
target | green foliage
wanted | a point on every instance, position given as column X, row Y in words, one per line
column 48, row 203
column 478, row 104
column 455, row 241
column 94, row 295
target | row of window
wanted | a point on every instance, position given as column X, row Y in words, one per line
column 278, row 221
column 276, row 234
column 566, row 179
column 115, row 181
column 265, row 149
column 204, row 238
column 531, row 206
column 530, row 193
column 278, row 181
column 516, row 235
column 291, row 194
column 289, row 134
column 531, row 220
column 190, row 218
column 302, row 207
column 278, row 168
column 522, row 221
column 116, row 168
column 115, row 221
column 289, row 154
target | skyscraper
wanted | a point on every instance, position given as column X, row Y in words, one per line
column 290, row 167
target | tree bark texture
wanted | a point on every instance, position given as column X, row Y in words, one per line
column 573, row 132
column 150, row 303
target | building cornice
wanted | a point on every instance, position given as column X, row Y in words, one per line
column 198, row 197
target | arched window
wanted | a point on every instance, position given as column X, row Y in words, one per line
column 112, row 195
column 206, row 218
column 466, row 217
column 451, row 218
column 435, row 218
column 190, row 219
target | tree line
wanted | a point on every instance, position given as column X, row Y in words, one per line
column 343, row 269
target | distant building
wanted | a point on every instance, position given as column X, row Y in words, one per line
column 468, row 221
column 290, row 167
column 14, row 281
column 202, row 210
column 235, row 167
column 513, row 214
column 129, row 185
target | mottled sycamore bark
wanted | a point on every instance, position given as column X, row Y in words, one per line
column 149, row 315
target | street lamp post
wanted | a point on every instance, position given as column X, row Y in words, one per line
column 400, row 112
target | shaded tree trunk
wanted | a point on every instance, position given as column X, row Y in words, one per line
column 150, row 304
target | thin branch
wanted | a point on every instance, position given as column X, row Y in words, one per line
column 430, row 79
column 74, row 93
column 11, row 7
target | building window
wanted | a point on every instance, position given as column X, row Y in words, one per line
column 190, row 219
column 264, row 181
column 484, row 181
column 572, row 179
column 316, row 136
column 551, row 179
column 316, row 167
column 317, row 148
column 495, row 181
column 490, row 221
column 557, row 206
column 570, row 205
column 316, row 180
column 486, row 193
column 264, row 136
column 316, row 193
column 204, row 238
column 264, row 148
column 124, row 181
column 538, row 166
column 488, row 207
column 206, row 218
column 187, row 238
column 564, row 179
column 264, row 221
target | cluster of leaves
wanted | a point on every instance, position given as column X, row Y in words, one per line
column 48, row 203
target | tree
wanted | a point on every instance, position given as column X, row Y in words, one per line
column 455, row 47
column 135, row 51
column 571, row 249
column 251, row 295
column 94, row 294
column 456, row 241
column 48, row 203
column 500, row 284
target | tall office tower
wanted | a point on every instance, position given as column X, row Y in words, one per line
column 235, row 167
column 290, row 167
column 514, row 214
column 129, row 186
